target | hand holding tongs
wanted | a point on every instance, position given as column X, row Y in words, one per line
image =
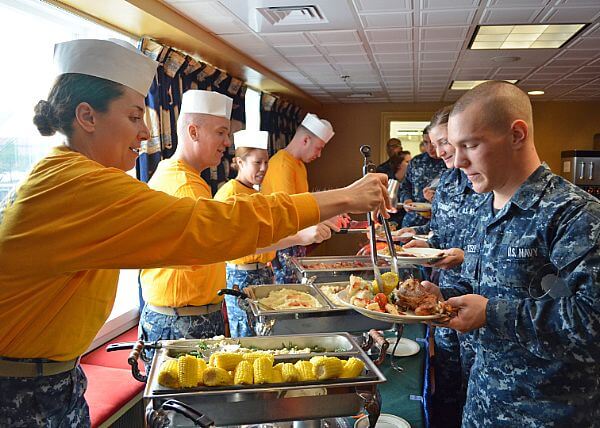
column 369, row 166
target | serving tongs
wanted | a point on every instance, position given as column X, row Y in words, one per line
column 369, row 166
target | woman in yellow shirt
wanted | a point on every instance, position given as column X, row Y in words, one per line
column 251, row 161
column 77, row 218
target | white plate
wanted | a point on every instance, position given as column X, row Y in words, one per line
column 385, row 421
column 408, row 317
column 419, row 206
column 421, row 255
column 405, row 347
column 421, row 237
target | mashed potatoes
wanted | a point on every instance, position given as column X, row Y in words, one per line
column 290, row 300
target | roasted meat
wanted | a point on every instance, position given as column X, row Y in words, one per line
column 411, row 295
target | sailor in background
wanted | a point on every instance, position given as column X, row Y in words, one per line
column 287, row 173
column 422, row 170
column 251, row 161
column 77, row 218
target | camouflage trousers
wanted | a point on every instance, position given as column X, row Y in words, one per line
column 411, row 219
column 239, row 325
column 454, row 356
column 47, row 401
column 154, row 326
column 284, row 272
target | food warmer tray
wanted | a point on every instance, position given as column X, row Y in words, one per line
column 327, row 319
column 304, row 271
column 237, row 405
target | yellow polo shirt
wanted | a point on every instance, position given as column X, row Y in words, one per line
column 285, row 174
column 73, row 223
column 232, row 188
column 194, row 285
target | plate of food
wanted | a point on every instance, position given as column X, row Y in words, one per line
column 409, row 302
column 414, row 255
column 418, row 206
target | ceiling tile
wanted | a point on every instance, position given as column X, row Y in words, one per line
column 586, row 43
column 436, row 65
column 292, row 51
column 435, row 18
column 389, row 35
column 334, row 37
column 308, row 60
column 343, row 49
column 517, row 3
column 286, row 39
column 275, row 63
column 382, row 5
column 350, row 59
column 569, row 15
column 393, row 58
column 509, row 16
column 318, row 68
column 574, row 54
column 441, row 46
column 443, row 33
column 379, row 20
column 444, row 4
column 391, row 47
column 438, row 56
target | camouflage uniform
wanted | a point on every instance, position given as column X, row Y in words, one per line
column 240, row 279
column 46, row 401
column 421, row 170
column 537, row 359
column 285, row 272
column 154, row 326
column 453, row 212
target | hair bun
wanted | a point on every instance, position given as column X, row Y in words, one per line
column 45, row 118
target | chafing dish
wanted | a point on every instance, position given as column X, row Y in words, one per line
column 329, row 318
column 236, row 405
column 307, row 267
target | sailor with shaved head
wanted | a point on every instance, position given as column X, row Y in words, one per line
column 533, row 263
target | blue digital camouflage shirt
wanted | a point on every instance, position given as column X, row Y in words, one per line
column 421, row 170
column 537, row 260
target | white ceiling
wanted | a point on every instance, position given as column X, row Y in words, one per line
column 407, row 50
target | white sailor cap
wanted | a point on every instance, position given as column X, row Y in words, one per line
column 251, row 139
column 320, row 127
column 206, row 102
column 114, row 60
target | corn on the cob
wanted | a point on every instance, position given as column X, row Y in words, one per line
column 276, row 376
column 263, row 369
column 251, row 356
column 168, row 374
column 244, row 373
column 328, row 368
column 188, row 371
column 216, row 376
column 352, row 368
column 316, row 358
column 289, row 373
column 201, row 367
column 306, row 371
column 227, row 360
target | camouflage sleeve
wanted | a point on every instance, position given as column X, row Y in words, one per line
column 406, row 188
column 567, row 326
column 423, row 229
column 453, row 284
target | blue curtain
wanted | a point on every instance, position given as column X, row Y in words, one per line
column 178, row 72
column 280, row 118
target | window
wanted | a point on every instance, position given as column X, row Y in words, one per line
column 25, row 78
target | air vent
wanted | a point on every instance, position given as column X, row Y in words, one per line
column 293, row 15
column 360, row 95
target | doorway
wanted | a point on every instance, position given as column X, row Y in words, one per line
column 407, row 127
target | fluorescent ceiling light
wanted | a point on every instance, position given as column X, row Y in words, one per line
column 550, row 36
column 535, row 92
column 465, row 85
